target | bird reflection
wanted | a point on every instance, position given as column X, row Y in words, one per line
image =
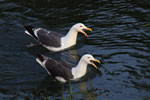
column 88, row 93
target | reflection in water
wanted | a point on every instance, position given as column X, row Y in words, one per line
column 73, row 54
column 88, row 94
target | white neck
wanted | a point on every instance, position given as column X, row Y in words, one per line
column 80, row 69
column 70, row 38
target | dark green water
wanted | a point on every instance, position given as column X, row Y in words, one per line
column 119, row 39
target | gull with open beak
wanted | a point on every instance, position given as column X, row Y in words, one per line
column 63, row 71
column 53, row 41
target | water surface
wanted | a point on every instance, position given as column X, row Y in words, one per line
column 119, row 39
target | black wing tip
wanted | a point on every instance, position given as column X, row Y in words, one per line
column 40, row 57
column 28, row 27
column 30, row 30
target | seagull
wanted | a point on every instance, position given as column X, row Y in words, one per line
column 53, row 41
column 63, row 71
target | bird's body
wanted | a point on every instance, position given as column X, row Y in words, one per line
column 53, row 41
column 63, row 71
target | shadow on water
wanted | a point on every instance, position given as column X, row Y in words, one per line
column 120, row 39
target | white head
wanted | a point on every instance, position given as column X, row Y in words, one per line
column 89, row 59
column 79, row 27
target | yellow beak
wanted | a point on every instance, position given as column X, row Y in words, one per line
column 89, row 29
column 95, row 60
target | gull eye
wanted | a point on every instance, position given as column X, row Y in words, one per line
column 88, row 57
column 80, row 25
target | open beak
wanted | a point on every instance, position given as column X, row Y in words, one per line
column 92, row 63
column 89, row 29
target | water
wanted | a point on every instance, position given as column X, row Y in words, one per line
column 119, row 39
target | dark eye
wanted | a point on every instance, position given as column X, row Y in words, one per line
column 80, row 25
column 88, row 57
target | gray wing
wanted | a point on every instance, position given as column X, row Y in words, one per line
column 48, row 38
column 67, row 65
column 58, row 69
